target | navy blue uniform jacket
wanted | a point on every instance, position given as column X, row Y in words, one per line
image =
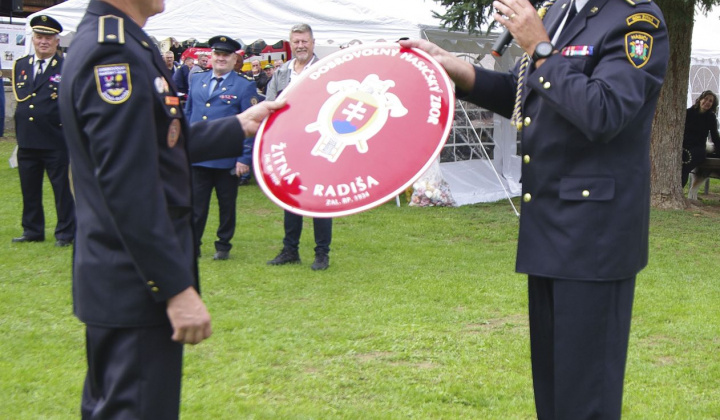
column 37, row 117
column 586, row 141
column 130, row 161
column 236, row 94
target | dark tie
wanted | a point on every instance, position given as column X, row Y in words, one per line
column 39, row 70
column 218, row 81
column 571, row 13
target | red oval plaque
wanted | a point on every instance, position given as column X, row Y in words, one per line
column 359, row 127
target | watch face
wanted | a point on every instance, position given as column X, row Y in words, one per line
column 544, row 49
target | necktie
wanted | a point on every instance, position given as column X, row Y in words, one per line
column 218, row 81
column 516, row 118
column 39, row 70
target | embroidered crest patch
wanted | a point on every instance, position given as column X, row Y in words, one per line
column 638, row 46
column 113, row 83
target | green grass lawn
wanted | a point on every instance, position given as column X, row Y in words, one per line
column 420, row 316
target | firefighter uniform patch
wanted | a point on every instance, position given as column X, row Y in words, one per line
column 113, row 83
column 638, row 46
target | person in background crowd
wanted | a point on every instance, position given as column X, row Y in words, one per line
column 135, row 274
column 269, row 70
column 169, row 59
column 302, row 44
column 261, row 80
column 216, row 94
column 700, row 121
column 200, row 66
column 583, row 95
column 182, row 76
column 240, row 60
column 41, row 143
column 177, row 49
column 277, row 63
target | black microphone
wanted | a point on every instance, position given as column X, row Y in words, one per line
column 504, row 40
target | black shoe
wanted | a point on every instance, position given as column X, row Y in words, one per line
column 322, row 261
column 221, row 255
column 27, row 239
column 285, row 256
column 63, row 242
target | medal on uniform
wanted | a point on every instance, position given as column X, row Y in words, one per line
column 360, row 126
column 173, row 133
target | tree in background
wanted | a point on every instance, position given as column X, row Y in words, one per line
column 667, row 132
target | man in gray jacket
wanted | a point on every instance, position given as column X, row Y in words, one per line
column 302, row 44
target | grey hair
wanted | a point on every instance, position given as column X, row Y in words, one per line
column 301, row 28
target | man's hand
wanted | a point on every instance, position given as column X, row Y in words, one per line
column 253, row 116
column 522, row 20
column 189, row 317
column 460, row 71
column 241, row 168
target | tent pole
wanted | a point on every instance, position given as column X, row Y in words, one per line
column 485, row 154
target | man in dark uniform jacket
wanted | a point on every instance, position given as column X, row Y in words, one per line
column 585, row 105
column 41, row 144
column 135, row 274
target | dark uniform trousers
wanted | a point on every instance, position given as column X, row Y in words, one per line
column 120, row 385
column 226, row 188
column 579, row 332
column 32, row 164
column 293, row 230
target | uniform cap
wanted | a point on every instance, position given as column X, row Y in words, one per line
column 44, row 24
column 224, row 43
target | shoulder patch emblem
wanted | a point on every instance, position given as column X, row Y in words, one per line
column 113, row 83
column 643, row 17
column 253, row 100
column 638, row 46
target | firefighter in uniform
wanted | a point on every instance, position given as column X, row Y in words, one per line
column 584, row 96
column 215, row 94
column 135, row 279
column 41, row 144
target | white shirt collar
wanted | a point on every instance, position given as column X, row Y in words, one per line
column 579, row 4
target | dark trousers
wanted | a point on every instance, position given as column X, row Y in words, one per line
column 133, row 374
column 32, row 165
column 579, row 332
column 226, row 190
column 293, row 230
column 691, row 158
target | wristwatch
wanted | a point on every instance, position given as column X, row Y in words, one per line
column 543, row 50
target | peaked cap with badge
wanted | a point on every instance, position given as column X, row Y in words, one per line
column 44, row 24
column 224, row 43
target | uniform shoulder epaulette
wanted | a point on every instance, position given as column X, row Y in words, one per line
column 111, row 30
column 636, row 2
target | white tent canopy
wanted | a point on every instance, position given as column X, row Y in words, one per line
column 333, row 21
